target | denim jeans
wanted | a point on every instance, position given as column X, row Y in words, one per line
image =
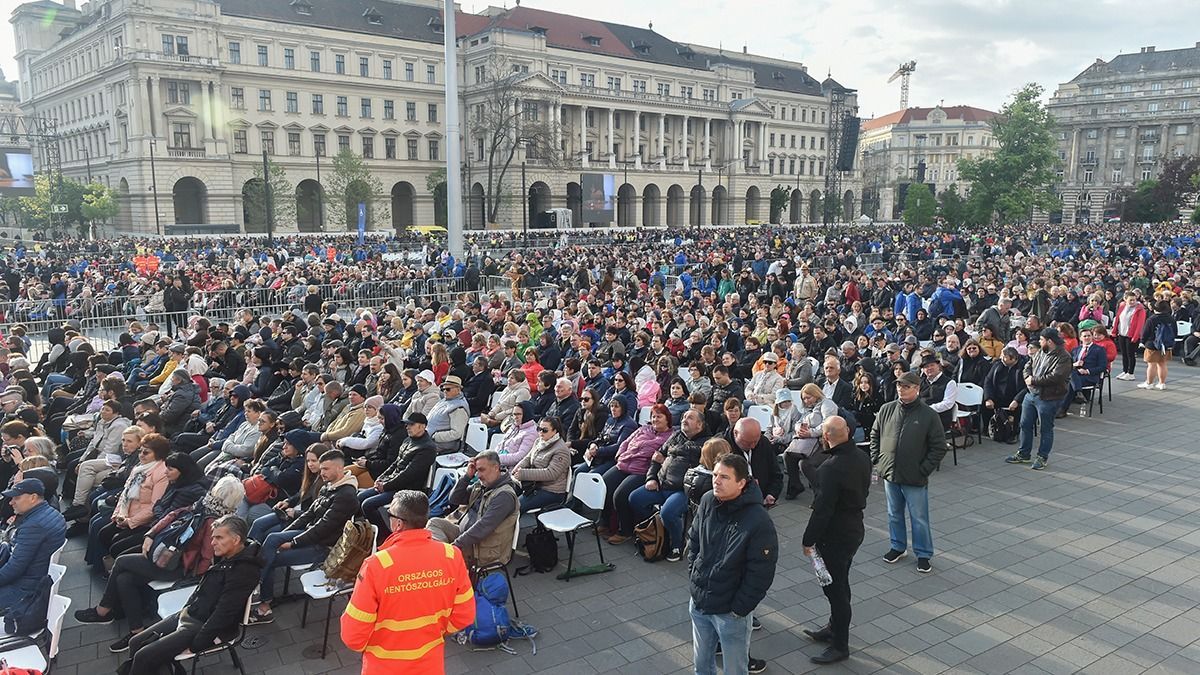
column 540, row 499
column 264, row 525
column 1044, row 411
column 273, row 557
column 731, row 632
column 916, row 499
column 372, row 501
column 674, row 505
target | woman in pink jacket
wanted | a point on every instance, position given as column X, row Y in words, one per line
column 134, row 507
column 633, row 460
column 1127, row 329
column 520, row 437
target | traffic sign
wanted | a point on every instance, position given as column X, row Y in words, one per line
column 58, row 208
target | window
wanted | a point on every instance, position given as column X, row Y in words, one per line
column 685, row 92
column 319, row 145
column 409, row 69
column 389, row 110
column 771, row 141
column 801, row 168
column 389, row 148
column 1121, row 132
column 1126, row 88
column 1088, row 175
column 432, row 112
column 479, row 148
column 237, row 98
column 529, row 110
column 480, row 73
column 1185, row 105
column 1156, row 86
column 791, row 165
column 262, row 56
column 1116, row 176
column 804, row 114
column 343, row 142
column 364, row 107
column 711, row 95
column 821, row 168
column 822, row 143
column 268, row 142
column 181, row 135
column 1095, row 91
column 294, row 143
column 771, row 166
column 181, row 45
column 639, row 86
column 1152, row 106
column 664, row 89
column 591, row 118
column 387, row 69
column 364, row 66
column 240, row 146
column 264, row 100
column 1181, row 129
column 318, row 104
column 168, row 44
column 1118, row 153
column 179, row 92
column 1186, row 84
column 1148, row 153
column 293, row 102
column 434, row 150
column 339, row 64
column 289, row 58
column 235, row 52
column 1147, row 174
column 410, row 111
column 556, row 74
column 587, row 80
column 314, row 61
column 1092, row 133
column 412, row 148
column 343, row 107
column 614, row 83
column 431, row 74
column 368, row 147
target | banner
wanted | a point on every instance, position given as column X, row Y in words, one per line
column 362, row 223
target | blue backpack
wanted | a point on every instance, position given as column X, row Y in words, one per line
column 492, row 623
column 439, row 496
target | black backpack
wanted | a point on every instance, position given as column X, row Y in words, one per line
column 542, row 547
column 1002, row 427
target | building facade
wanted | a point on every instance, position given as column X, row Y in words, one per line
column 894, row 147
column 1118, row 121
column 173, row 102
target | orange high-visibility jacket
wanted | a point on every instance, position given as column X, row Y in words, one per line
column 407, row 598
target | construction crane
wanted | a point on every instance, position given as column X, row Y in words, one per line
column 904, row 72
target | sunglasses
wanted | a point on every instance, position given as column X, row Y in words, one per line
column 143, row 452
column 586, row 398
column 544, row 430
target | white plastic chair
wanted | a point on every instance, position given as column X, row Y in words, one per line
column 590, row 490
column 644, row 415
column 318, row 587
column 685, row 374
column 762, row 413
column 970, row 395
column 173, row 601
column 30, row 656
column 56, row 573
column 58, row 554
column 229, row 646
column 1182, row 330
column 476, row 437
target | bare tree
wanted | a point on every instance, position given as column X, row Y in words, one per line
column 506, row 112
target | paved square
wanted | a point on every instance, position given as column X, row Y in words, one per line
column 1090, row 567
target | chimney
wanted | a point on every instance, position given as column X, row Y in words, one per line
column 1149, row 50
column 69, row 4
column 744, row 49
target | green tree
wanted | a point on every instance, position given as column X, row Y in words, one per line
column 918, row 205
column 283, row 197
column 436, row 184
column 1018, row 177
column 353, row 183
column 953, row 208
column 49, row 190
column 1144, row 205
column 99, row 205
column 780, row 197
column 1176, row 185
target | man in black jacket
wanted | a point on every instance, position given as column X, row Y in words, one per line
column 214, row 609
column 832, row 385
column 410, row 471
column 732, row 553
column 310, row 536
column 836, row 529
column 748, row 442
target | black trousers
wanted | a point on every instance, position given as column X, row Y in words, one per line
column 837, row 559
column 153, row 650
column 127, row 587
column 1128, row 348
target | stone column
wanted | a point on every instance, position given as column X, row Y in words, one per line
column 556, row 112
column 637, row 139
column 662, row 141
column 206, row 116
column 583, row 135
column 135, row 91
column 154, row 107
column 762, row 142
column 687, row 148
column 707, row 158
column 739, row 134
column 612, row 156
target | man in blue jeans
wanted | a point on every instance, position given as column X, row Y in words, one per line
column 907, row 445
column 310, row 536
column 732, row 554
column 1048, row 378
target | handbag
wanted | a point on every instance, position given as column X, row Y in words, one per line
column 362, row 474
column 258, row 490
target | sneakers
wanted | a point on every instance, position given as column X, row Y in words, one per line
column 90, row 615
column 1039, row 463
column 1016, row 458
column 76, row 512
column 756, row 665
column 923, row 566
column 1160, row 386
column 893, row 555
column 1143, row 385
column 1124, row 376
column 675, row 555
column 830, row 655
column 754, row 624
column 121, row 645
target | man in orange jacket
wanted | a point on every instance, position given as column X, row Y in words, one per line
column 408, row 596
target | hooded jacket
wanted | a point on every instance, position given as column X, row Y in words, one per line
column 219, row 600
column 732, row 553
column 323, row 520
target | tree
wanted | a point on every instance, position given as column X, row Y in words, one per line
column 918, row 205
column 780, row 197
column 500, row 121
column 49, row 190
column 1143, row 205
column 953, row 207
column 1015, row 180
column 351, row 184
column 1176, row 185
column 436, row 184
column 831, row 207
column 283, row 196
column 99, row 204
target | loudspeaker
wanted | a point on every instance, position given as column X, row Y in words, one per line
column 849, row 145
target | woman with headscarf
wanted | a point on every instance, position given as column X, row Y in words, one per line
column 520, row 436
column 377, row 460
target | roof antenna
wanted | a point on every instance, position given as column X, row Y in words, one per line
column 651, row 25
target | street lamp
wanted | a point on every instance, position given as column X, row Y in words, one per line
column 154, row 185
column 320, row 191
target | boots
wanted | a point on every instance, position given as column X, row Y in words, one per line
column 794, row 486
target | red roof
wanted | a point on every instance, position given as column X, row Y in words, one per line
column 562, row 30
column 965, row 113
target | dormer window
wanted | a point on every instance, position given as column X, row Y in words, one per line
column 302, row 7
column 777, row 76
column 591, row 40
column 685, row 52
column 435, row 22
column 373, row 17
column 538, row 30
column 640, row 47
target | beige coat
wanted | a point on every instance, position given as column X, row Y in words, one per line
column 548, row 464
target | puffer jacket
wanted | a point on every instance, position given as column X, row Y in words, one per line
column 682, row 453
column 177, row 409
column 615, row 432
column 322, row 522
column 411, row 468
column 547, row 464
column 1051, row 373
column 732, row 553
column 907, row 442
column 219, row 600
column 517, row 442
column 633, row 457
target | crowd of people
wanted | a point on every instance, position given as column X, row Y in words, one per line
column 649, row 358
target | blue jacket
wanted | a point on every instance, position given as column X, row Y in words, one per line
column 40, row 533
column 907, row 304
column 1095, row 362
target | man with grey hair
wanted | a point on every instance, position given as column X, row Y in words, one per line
column 998, row 318
column 482, row 526
column 565, row 404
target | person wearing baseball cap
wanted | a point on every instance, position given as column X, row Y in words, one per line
column 448, row 417
column 409, row 471
column 40, row 530
column 908, row 442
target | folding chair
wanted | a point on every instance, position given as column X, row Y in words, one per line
column 476, row 437
column 56, row 573
column 762, row 413
column 30, row 656
column 318, row 587
column 492, row 567
column 644, row 415
column 224, row 646
column 589, row 489
column 970, row 395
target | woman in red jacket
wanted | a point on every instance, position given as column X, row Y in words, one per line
column 1127, row 329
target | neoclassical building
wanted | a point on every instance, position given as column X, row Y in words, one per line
column 174, row 102
column 892, row 147
column 1117, row 121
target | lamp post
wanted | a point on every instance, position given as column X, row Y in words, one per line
column 154, row 185
column 87, row 158
column 320, row 191
column 700, row 206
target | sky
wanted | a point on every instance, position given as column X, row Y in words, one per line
column 968, row 52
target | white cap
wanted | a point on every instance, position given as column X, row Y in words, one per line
column 427, row 375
